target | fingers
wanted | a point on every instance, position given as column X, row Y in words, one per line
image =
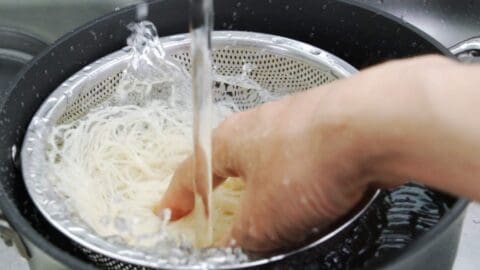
column 179, row 197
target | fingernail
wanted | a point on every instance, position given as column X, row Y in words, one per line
column 170, row 213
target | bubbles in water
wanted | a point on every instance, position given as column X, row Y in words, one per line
column 149, row 63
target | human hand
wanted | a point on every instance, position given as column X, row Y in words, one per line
column 299, row 170
column 309, row 158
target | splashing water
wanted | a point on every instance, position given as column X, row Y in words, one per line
column 121, row 156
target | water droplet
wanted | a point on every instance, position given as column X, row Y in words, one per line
column 117, row 9
column 315, row 51
column 94, row 35
column 72, row 48
column 13, row 153
column 239, row 4
column 279, row 40
column 303, row 200
column 142, row 11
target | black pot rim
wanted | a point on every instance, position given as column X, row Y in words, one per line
column 25, row 230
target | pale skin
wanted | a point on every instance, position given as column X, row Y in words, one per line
column 309, row 158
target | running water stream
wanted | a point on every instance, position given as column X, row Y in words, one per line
column 201, row 24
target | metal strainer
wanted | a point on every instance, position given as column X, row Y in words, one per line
column 280, row 65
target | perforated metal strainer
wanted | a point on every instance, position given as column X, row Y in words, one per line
column 282, row 66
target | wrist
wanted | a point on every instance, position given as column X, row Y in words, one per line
column 382, row 109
